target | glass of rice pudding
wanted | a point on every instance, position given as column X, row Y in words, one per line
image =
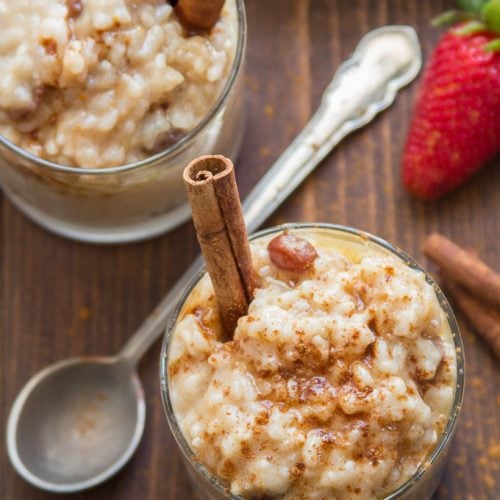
column 343, row 381
column 102, row 104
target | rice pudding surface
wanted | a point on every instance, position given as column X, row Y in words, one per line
column 100, row 84
column 337, row 384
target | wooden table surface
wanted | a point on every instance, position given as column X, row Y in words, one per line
column 61, row 298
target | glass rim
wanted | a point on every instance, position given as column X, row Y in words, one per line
column 183, row 142
column 456, row 407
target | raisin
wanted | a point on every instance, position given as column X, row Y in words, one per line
column 166, row 139
column 291, row 253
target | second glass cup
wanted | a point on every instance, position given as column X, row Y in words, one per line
column 128, row 202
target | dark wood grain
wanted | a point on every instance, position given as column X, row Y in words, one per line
column 61, row 299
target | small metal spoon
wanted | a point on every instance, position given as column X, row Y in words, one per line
column 77, row 422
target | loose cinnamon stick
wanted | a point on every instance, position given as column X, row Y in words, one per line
column 484, row 319
column 464, row 267
column 220, row 228
column 201, row 14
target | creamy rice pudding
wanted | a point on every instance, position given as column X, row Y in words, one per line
column 100, row 84
column 338, row 383
column 95, row 87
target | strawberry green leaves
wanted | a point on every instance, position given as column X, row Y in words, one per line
column 493, row 46
column 471, row 5
column 475, row 16
column 453, row 17
column 491, row 15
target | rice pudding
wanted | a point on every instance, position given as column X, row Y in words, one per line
column 100, row 84
column 94, row 88
column 339, row 381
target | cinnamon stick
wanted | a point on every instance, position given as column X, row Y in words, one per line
column 200, row 14
column 220, row 228
column 464, row 267
column 484, row 319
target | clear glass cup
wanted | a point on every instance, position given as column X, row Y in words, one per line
column 129, row 202
column 425, row 481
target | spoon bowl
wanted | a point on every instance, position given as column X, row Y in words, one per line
column 76, row 423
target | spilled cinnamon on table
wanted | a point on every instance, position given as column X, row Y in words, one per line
column 220, row 228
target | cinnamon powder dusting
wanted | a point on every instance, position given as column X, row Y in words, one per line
column 315, row 394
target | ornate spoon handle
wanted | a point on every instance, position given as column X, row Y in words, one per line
column 384, row 61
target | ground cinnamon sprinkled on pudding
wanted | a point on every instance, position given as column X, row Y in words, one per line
column 337, row 384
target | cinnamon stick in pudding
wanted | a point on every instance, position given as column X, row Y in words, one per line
column 484, row 319
column 200, row 14
column 220, row 228
column 464, row 267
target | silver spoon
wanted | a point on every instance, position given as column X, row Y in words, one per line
column 77, row 422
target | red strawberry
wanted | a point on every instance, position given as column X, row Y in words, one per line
column 456, row 124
